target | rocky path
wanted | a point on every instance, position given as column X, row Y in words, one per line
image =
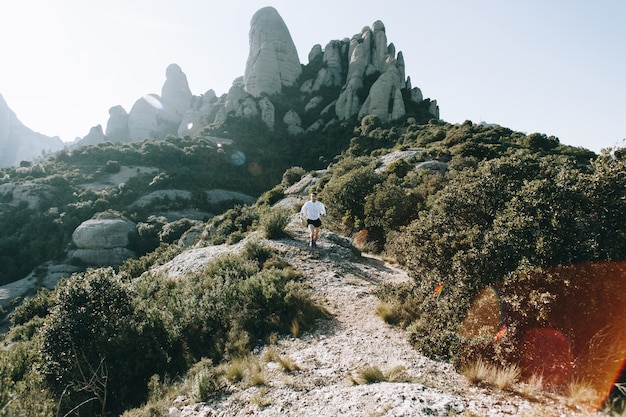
column 328, row 362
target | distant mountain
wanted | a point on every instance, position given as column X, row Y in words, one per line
column 19, row 143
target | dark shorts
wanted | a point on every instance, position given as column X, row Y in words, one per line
column 316, row 222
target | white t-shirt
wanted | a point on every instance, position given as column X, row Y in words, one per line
column 313, row 210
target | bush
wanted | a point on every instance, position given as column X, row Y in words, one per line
column 273, row 222
column 293, row 175
column 96, row 350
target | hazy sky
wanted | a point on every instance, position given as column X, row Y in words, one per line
column 551, row 66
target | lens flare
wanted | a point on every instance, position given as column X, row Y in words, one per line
column 154, row 101
column 565, row 324
column 484, row 318
column 238, row 158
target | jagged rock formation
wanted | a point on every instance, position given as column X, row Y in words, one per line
column 95, row 135
column 117, row 126
column 102, row 242
column 154, row 117
column 273, row 59
column 19, row 143
column 367, row 73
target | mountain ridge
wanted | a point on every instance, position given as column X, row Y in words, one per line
column 349, row 78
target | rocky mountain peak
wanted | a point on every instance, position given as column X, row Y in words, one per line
column 19, row 143
column 348, row 65
column 273, row 59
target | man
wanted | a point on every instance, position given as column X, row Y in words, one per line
column 313, row 211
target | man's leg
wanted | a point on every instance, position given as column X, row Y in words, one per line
column 316, row 233
column 312, row 234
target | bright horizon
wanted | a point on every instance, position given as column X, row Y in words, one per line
column 553, row 67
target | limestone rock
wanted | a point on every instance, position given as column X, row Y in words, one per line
column 316, row 53
column 379, row 46
column 95, row 136
column 175, row 93
column 273, row 59
column 385, row 91
column 217, row 196
column 236, row 95
column 315, row 126
column 154, row 116
column 32, row 194
column 117, row 125
column 293, row 122
column 102, row 257
column 160, row 195
column 142, row 119
column 103, row 233
column 248, row 108
column 201, row 114
column 267, row 112
column 313, row 103
column 335, row 63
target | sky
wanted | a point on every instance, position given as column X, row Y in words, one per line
column 556, row 67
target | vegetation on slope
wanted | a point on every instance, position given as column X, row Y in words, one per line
column 489, row 208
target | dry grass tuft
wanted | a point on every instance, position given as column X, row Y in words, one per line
column 373, row 374
column 532, row 387
column 581, row 393
column 504, row 378
column 387, row 312
column 285, row 362
column 480, row 372
column 477, row 372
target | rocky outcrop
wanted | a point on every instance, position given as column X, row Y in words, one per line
column 201, row 113
column 103, row 233
column 30, row 193
column 273, row 59
column 267, row 112
column 385, row 97
column 273, row 64
column 19, row 143
column 175, row 93
column 95, row 135
column 102, row 242
column 117, row 125
column 293, row 122
column 154, row 116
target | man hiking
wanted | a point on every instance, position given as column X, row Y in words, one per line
column 313, row 211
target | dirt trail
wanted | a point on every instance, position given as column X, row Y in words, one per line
column 329, row 359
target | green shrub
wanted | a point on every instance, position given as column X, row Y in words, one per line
column 273, row 222
column 293, row 175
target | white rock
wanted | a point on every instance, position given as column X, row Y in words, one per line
column 103, row 233
column 117, row 125
column 273, row 59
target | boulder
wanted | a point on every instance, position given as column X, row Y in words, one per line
column 273, row 59
column 105, row 233
column 102, row 257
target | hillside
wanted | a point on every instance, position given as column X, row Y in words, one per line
column 325, row 367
